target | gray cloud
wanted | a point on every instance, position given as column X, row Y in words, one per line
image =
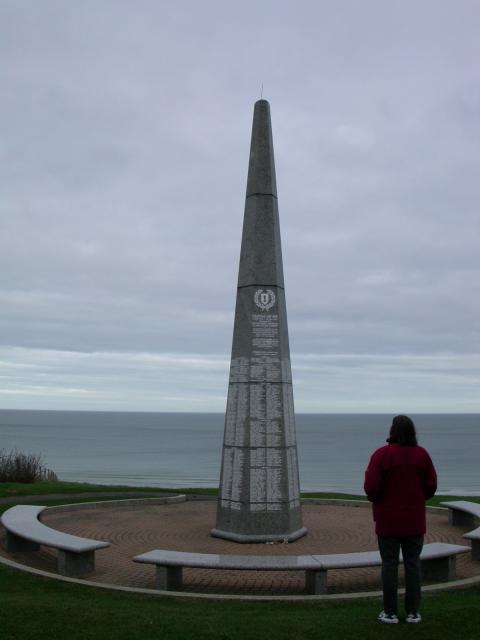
column 123, row 154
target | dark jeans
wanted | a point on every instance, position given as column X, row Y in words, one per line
column 390, row 553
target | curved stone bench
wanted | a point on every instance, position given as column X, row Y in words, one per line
column 463, row 513
column 474, row 537
column 438, row 564
column 76, row 556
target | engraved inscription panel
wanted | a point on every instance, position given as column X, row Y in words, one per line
column 258, row 489
column 257, row 401
column 236, row 416
column 227, row 473
column 257, row 457
column 293, row 488
column 289, row 415
column 273, row 397
column 274, row 457
column 257, row 433
column 237, row 478
column 274, row 433
column 274, row 485
column 286, row 370
column 239, row 369
column 265, row 359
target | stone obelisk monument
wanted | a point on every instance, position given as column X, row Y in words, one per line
column 259, row 496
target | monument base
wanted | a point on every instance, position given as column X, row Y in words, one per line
column 246, row 538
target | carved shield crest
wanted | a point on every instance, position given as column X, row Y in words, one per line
column 264, row 299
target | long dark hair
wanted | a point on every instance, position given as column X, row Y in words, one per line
column 402, row 432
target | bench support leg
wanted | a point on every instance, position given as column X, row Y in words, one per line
column 316, row 581
column 439, row 569
column 475, row 549
column 16, row 543
column 75, row 564
column 460, row 518
column 168, row 578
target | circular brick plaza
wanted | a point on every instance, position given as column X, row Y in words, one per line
column 185, row 526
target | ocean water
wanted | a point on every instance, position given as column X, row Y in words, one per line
column 184, row 449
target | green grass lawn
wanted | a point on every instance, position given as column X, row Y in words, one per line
column 12, row 489
column 33, row 607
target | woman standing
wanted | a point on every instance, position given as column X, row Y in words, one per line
column 399, row 478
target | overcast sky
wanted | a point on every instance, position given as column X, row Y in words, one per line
column 124, row 140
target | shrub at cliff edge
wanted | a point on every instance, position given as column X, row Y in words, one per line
column 16, row 466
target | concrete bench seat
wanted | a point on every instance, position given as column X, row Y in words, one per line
column 438, row 564
column 474, row 537
column 462, row 513
column 25, row 532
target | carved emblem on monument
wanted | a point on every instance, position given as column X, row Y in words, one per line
column 264, row 299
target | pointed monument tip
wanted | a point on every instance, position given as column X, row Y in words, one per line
column 261, row 170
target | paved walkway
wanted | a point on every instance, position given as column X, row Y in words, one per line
column 186, row 527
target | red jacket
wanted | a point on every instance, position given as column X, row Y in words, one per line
column 398, row 480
